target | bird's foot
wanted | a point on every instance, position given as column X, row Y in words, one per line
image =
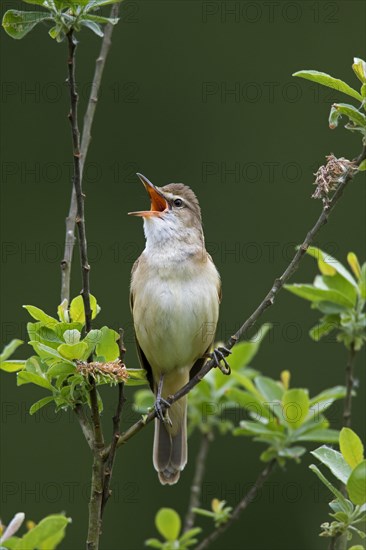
column 219, row 354
column 161, row 406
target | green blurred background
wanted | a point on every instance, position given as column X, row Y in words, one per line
column 200, row 93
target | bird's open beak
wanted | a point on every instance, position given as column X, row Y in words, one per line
column 158, row 202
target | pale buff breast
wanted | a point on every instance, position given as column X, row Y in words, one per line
column 175, row 309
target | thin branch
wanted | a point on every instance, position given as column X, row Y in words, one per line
column 108, row 467
column 243, row 504
column 347, row 409
column 265, row 304
column 85, row 142
column 196, row 487
column 85, row 425
column 80, row 221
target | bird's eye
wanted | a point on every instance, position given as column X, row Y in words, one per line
column 178, row 203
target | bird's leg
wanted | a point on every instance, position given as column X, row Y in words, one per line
column 160, row 413
column 219, row 354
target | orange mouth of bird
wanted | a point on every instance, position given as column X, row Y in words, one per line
column 158, row 201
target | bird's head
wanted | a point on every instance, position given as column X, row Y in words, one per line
column 174, row 213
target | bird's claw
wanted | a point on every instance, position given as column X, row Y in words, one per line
column 219, row 354
column 161, row 406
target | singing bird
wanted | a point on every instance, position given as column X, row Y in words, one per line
column 175, row 296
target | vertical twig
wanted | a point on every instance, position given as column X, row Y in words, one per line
column 85, row 142
column 347, row 409
column 196, row 487
column 80, row 221
column 98, row 441
column 243, row 504
column 109, row 462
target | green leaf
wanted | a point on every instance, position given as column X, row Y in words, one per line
column 313, row 294
column 39, row 536
column 24, row 377
column 359, row 68
column 60, row 369
column 99, row 3
column 248, row 402
column 19, row 23
column 326, row 258
column 62, row 310
column 73, row 351
column 12, row 366
column 339, row 284
column 40, row 315
column 342, row 500
column 294, row 453
column 102, row 20
column 351, row 447
column 91, row 25
column 354, row 264
column 72, row 336
column 321, row 435
column 39, row 404
column 168, row 523
column 107, row 346
column 356, row 484
column 77, row 312
column 248, row 427
column 48, row 354
column 363, row 282
column 326, row 80
column 362, row 166
column 244, row 352
column 328, row 396
column 269, row 389
column 327, row 324
column 9, row 349
column 136, row 377
column 154, row 543
column 190, row 534
column 334, row 461
column 295, row 403
column 36, row 2
column 344, row 109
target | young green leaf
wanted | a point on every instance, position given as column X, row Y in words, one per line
column 24, row 377
column 168, row 523
column 345, row 505
column 359, row 68
column 39, row 536
column 340, row 109
column 40, row 315
column 39, row 404
column 295, row 404
column 356, row 484
column 354, row 264
column 313, row 294
column 351, row 447
column 9, row 349
column 12, row 366
column 73, row 351
column 269, row 389
column 333, row 263
column 107, row 345
column 91, row 25
column 334, row 461
column 326, row 80
column 77, row 312
column 19, row 23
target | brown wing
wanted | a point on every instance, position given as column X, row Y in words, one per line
column 145, row 365
column 142, row 357
column 201, row 361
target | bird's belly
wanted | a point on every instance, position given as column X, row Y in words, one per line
column 175, row 321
